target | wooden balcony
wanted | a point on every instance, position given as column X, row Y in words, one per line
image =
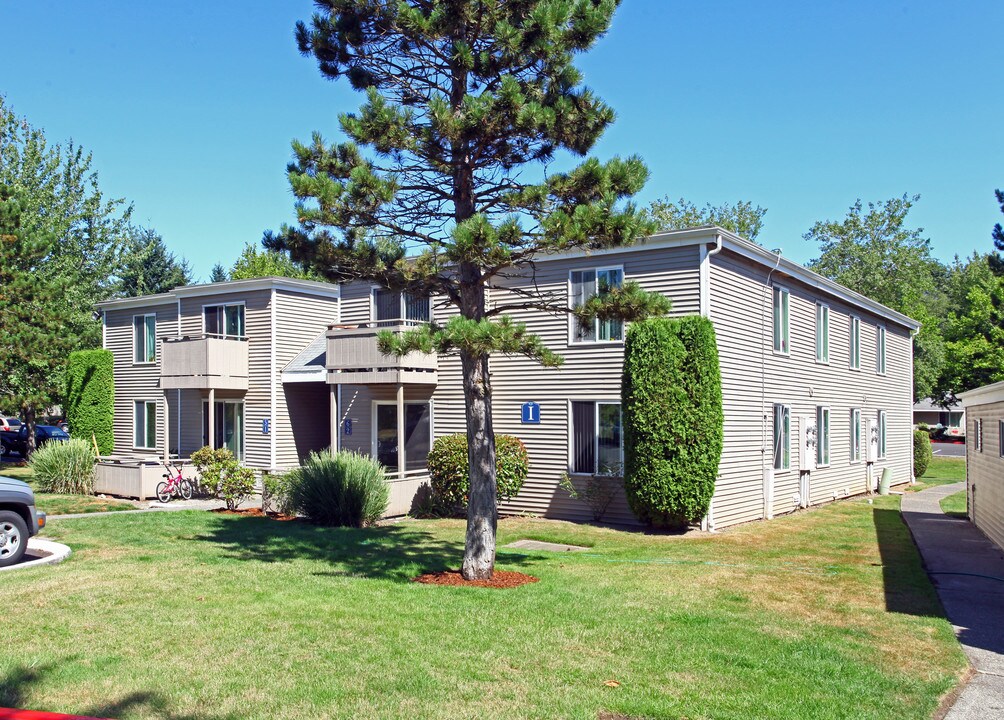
column 204, row 363
column 353, row 358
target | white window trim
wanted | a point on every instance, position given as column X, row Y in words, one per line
column 880, row 350
column 244, row 428
column 144, row 316
column 223, row 305
column 596, row 329
column 785, row 292
column 820, row 409
column 373, row 427
column 883, row 435
column 819, row 308
column 1000, row 438
column 773, row 459
column 855, row 413
column 852, row 342
column 146, row 402
column 978, row 435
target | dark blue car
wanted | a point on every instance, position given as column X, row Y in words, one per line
column 17, row 442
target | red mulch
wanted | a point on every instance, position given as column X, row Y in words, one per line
column 254, row 512
column 501, row 580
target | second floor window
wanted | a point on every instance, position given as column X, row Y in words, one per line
column 880, row 350
column 781, row 320
column 391, row 308
column 144, row 338
column 585, row 284
column 822, row 333
column 855, row 348
column 224, row 320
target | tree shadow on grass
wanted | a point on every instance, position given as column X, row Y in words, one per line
column 906, row 585
column 389, row 552
column 16, row 686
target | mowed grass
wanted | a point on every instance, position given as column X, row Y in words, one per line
column 823, row 614
column 955, row 505
column 942, row 471
column 59, row 504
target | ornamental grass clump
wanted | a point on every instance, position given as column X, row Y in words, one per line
column 64, row 467
column 344, row 489
column 449, row 471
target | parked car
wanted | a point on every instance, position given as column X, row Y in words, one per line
column 9, row 423
column 19, row 520
column 17, row 442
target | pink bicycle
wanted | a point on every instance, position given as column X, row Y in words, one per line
column 174, row 486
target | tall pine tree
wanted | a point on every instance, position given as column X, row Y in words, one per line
column 996, row 258
column 439, row 188
column 147, row 267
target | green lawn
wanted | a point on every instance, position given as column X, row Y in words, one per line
column 56, row 504
column 955, row 505
column 824, row 614
column 942, row 471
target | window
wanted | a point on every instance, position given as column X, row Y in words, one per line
column 597, row 439
column 394, row 308
column 585, row 284
column 782, row 437
column 881, row 434
column 144, row 338
column 822, row 333
column 856, row 435
column 228, row 425
column 880, row 350
column 855, row 343
column 417, row 435
column 1000, row 437
column 822, row 436
column 781, row 320
column 226, row 321
column 978, row 435
column 145, row 424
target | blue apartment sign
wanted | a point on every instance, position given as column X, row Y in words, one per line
column 265, row 425
column 530, row 413
column 348, row 426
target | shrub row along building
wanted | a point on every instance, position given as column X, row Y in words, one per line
column 816, row 379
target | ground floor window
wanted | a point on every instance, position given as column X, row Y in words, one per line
column 597, row 438
column 228, row 425
column 145, row 416
column 822, row 436
column 881, row 434
column 782, row 437
column 417, row 435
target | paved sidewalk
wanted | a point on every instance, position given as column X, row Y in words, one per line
column 968, row 572
column 156, row 506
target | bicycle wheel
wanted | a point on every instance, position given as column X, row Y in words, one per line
column 186, row 490
column 163, row 493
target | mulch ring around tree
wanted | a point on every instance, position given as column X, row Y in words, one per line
column 254, row 512
column 501, row 579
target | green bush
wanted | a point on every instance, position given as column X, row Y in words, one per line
column 64, row 467
column 448, row 469
column 342, row 489
column 922, row 453
column 673, row 418
column 221, row 476
column 90, row 397
column 275, row 493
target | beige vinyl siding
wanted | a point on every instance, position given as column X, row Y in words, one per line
column 257, row 400
column 591, row 372
column 138, row 381
column 754, row 378
column 302, row 415
column 985, row 470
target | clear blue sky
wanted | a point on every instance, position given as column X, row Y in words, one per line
column 800, row 107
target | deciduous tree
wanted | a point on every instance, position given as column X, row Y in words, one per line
column 254, row 263
column 742, row 218
column 439, row 189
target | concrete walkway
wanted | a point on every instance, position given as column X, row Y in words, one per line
column 968, row 572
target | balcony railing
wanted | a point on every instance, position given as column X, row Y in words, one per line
column 204, row 362
column 353, row 358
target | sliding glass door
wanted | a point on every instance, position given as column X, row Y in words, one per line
column 228, row 426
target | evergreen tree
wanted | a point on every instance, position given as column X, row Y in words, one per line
column 147, row 267
column 218, row 274
column 268, row 263
column 996, row 258
column 466, row 100
column 742, row 218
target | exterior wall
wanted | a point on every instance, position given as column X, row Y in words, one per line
column 754, row 377
column 985, row 470
column 301, row 415
column 139, row 381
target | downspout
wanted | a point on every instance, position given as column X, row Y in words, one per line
column 708, row 522
column 767, row 472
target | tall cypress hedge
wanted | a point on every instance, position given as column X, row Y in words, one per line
column 672, row 406
column 90, row 397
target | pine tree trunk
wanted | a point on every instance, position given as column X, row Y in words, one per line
column 482, row 508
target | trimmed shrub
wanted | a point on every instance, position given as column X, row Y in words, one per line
column 341, row 489
column 90, row 397
column 221, row 476
column 673, row 419
column 64, row 467
column 275, row 493
column 922, row 453
column 448, row 469
column 236, row 486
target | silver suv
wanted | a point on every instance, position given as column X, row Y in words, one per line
column 19, row 520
